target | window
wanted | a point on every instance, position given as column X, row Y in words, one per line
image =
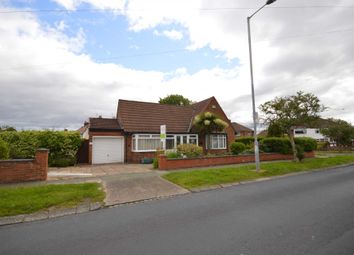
column 300, row 131
column 152, row 142
column 217, row 141
column 146, row 142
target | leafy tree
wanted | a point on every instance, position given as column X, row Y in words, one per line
column 4, row 150
column 291, row 111
column 175, row 100
column 275, row 130
column 7, row 128
column 207, row 123
column 340, row 131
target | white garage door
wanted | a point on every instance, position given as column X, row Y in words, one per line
column 107, row 149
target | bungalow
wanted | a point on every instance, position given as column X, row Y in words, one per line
column 135, row 132
column 241, row 130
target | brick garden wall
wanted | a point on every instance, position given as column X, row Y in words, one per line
column 22, row 170
column 168, row 164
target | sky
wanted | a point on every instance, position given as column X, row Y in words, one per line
column 63, row 61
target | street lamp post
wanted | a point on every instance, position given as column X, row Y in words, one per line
column 255, row 115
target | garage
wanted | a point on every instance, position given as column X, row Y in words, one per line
column 107, row 149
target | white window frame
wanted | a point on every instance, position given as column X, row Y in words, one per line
column 218, row 136
column 136, row 137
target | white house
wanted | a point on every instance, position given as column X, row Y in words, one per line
column 310, row 132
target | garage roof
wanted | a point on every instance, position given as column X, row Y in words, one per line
column 104, row 124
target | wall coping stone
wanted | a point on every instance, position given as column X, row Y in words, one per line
column 16, row 160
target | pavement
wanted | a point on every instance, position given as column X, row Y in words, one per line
column 123, row 183
column 310, row 213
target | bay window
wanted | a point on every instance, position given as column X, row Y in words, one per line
column 152, row 142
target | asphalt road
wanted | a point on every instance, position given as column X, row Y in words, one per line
column 305, row 214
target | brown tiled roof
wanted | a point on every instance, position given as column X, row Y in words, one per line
column 263, row 133
column 104, row 123
column 201, row 106
column 82, row 129
column 137, row 116
column 238, row 127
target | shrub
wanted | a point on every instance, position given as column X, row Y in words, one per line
column 307, row 143
column 322, row 145
column 4, row 150
column 276, row 144
column 300, row 154
column 248, row 141
column 173, row 154
column 155, row 163
column 190, row 150
column 237, row 148
column 62, row 161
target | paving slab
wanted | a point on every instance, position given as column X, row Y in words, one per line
column 137, row 188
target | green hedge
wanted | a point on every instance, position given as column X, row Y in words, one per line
column 247, row 140
column 283, row 145
column 276, row 144
column 237, row 148
column 307, row 143
column 62, row 145
column 4, row 150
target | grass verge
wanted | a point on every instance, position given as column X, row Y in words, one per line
column 24, row 200
column 208, row 177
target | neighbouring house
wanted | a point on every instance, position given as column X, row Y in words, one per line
column 263, row 133
column 241, row 130
column 310, row 132
column 313, row 130
column 135, row 132
column 84, row 131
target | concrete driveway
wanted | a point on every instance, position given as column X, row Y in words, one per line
column 85, row 171
column 123, row 183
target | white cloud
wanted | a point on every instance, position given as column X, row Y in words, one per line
column 171, row 34
column 46, row 80
column 61, row 26
column 106, row 4
column 69, row 93
column 314, row 61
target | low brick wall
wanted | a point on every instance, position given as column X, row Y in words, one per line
column 168, row 164
column 22, row 170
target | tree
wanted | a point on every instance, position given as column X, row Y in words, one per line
column 275, row 130
column 340, row 131
column 7, row 128
column 207, row 123
column 175, row 100
column 291, row 111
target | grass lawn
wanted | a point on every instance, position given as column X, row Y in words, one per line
column 208, row 177
column 24, row 200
